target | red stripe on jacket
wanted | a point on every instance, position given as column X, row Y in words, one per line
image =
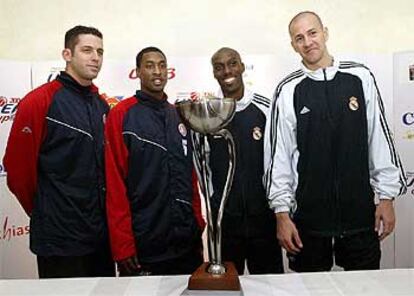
column 116, row 167
column 25, row 139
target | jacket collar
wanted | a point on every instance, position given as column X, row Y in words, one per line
column 71, row 83
column 320, row 73
column 150, row 101
column 244, row 102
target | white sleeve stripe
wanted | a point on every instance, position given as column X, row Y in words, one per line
column 385, row 128
column 394, row 156
column 273, row 124
column 273, row 139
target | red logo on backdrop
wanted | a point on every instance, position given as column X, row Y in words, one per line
column 8, row 108
column 133, row 73
column 10, row 231
column 193, row 95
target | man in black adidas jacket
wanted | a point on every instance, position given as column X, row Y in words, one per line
column 248, row 223
column 333, row 171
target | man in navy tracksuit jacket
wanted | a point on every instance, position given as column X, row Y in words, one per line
column 332, row 171
column 248, row 225
column 54, row 163
column 153, row 203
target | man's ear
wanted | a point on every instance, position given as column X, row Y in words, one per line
column 326, row 33
column 67, row 54
column 243, row 68
column 138, row 73
column 293, row 46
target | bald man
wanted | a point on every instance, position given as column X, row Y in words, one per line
column 333, row 170
column 248, row 223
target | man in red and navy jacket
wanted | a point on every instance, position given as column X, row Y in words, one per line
column 153, row 204
column 54, row 163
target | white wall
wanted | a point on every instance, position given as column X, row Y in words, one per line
column 34, row 29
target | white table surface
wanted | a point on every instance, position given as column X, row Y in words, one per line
column 356, row 283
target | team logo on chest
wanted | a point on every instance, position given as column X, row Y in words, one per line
column 353, row 104
column 257, row 133
column 182, row 129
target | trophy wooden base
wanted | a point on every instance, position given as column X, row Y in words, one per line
column 202, row 280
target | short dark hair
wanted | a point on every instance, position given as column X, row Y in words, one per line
column 146, row 50
column 72, row 36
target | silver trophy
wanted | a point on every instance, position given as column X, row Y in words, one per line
column 209, row 115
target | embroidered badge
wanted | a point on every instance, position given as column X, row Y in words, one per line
column 182, row 129
column 26, row 130
column 353, row 104
column 257, row 133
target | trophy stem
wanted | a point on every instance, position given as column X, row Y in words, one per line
column 227, row 187
column 212, row 252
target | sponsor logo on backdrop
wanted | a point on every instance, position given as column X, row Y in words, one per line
column 410, row 182
column 408, row 135
column 54, row 72
column 133, row 73
column 2, row 170
column 246, row 76
column 193, row 95
column 408, row 118
column 8, row 107
column 112, row 100
column 10, row 231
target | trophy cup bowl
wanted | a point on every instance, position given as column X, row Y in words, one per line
column 209, row 115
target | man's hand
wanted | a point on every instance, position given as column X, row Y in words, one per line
column 385, row 217
column 128, row 266
column 287, row 234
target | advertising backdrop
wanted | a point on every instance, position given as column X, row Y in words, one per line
column 188, row 76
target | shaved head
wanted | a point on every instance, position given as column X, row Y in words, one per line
column 228, row 70
column 225, row 50
column 302, row 14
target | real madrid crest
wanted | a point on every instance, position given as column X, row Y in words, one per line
column 353, row 104
column 257, row 133
column 182, row 129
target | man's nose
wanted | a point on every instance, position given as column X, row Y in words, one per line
column 157, row 69
column 227, row 70
column 307, row 41
column 95, row 55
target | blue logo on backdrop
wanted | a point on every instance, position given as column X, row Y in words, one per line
column 2, row 170
column 8, row 107
column 408, row 118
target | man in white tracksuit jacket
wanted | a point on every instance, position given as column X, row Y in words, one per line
column 332, row 170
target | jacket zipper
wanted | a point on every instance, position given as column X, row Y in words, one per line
column 336, row 197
